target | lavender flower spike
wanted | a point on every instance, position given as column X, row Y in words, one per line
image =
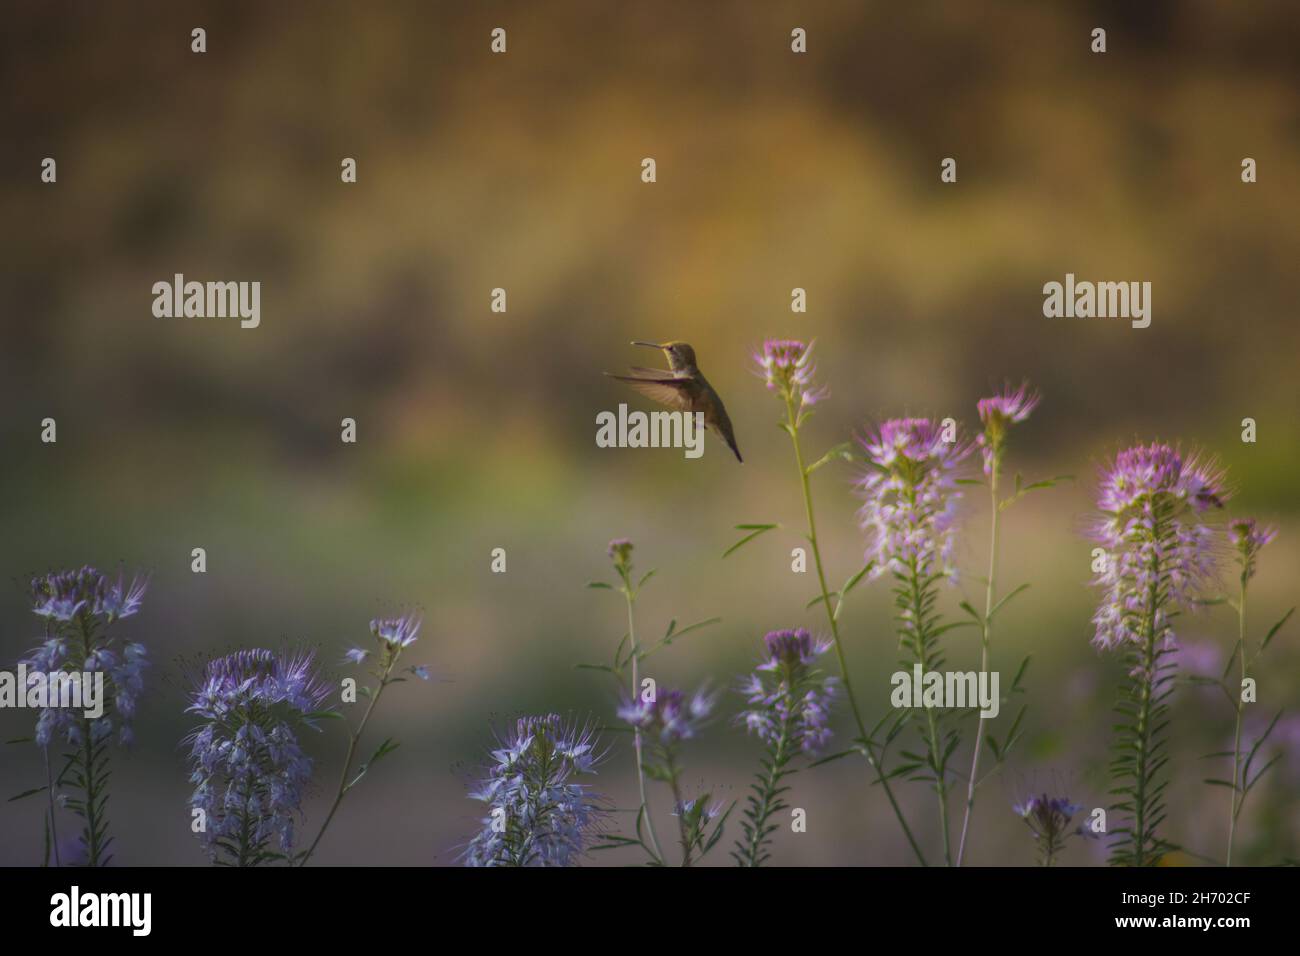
column 789, row 710
column 79, row 608
column 247, row 767
column 542, row 814
column 1159, row 554
column 911, row 497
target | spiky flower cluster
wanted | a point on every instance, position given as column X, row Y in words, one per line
column 789, row 698
column 541, row 813
column 670, row 717
column 911, row 497
column 786, row 367
column 248, row 769
column 1049, row 820
column 79, row 606
column 1248, row 537
column 999, row 412
column 1159, row 553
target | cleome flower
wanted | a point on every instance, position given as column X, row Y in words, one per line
column 789, row 698
column 1159, row 553
column 542, row 814
column 248, row 770
column 910, row 491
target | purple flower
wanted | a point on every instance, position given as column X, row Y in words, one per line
column 70, row 601
column 997, row 413
column 620, row 551
column 356, row 655
column 911, row 497
column 396, row 632
column 64, row 594
column 670, row 715
column 1159, row 554
column 1248, row 537
column 421, row 672
column 787, row 369
column 247, row 767
column 1049, row 820
column 708, row 812
column 541, row 813
column 789, row 699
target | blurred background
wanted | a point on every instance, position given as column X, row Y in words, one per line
column 476, row 429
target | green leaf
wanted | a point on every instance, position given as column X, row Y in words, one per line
column 324, row 715
column 646, row 577
column 819, row 598
column 20, row 740
column 594, row 667
column 754, row 531
column 833, row 757
column 672, row 634
column 384, row 749
column 853, row 582
column 841, row 452
column 25, row 793
column 1276, row 627
column 600, row 584
column 997, row 607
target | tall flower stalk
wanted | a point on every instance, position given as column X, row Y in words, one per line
column 789, row 710
column 393, row 636
column 1158, row 555
column 997, row 414
column 789, row 372
column 667, row 719
column 79, row 608
column 626, row 673
column 248, row 769
column 620, row 551
column 909, row 514
column 1247, row 538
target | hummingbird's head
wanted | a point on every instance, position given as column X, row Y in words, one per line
column 680, row 354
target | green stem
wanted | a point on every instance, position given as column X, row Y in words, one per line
column 932, row 722
column 670, row 763
column 1141, row 838
column 832, row 618
column 344, row 786
column 1237, row 783
column 90, row 778
column 644, row 810
column 764, row 806
column 985, row 635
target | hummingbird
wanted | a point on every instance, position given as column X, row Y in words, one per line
column 683, row 387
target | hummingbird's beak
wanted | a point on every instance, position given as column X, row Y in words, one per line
column 649, row 345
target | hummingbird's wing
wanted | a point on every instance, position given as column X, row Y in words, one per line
column 663, row 388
